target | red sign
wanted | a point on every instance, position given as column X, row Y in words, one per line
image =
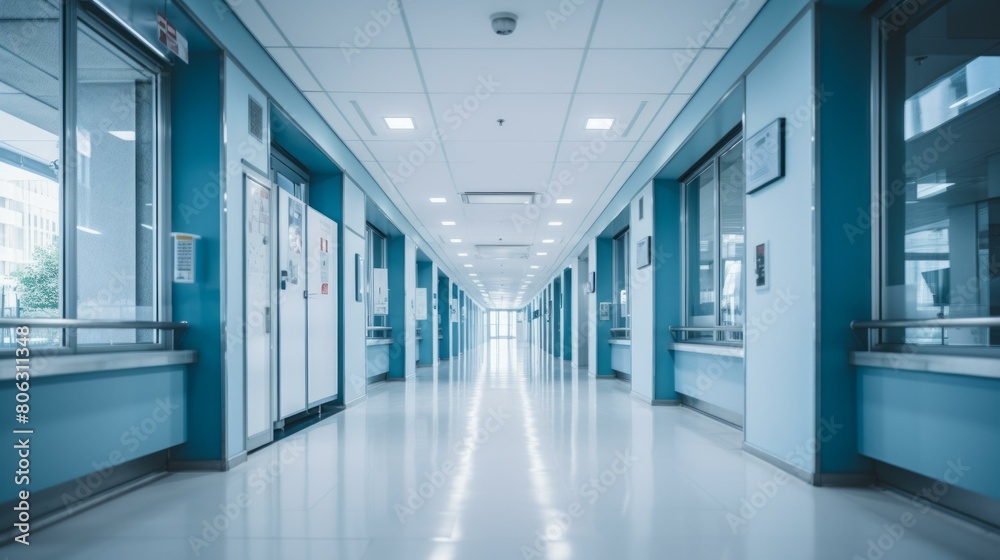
column 325, row 289
column 175, row 42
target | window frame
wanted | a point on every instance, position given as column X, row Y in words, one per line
column 621, row 275
column 710, row 160
column 371, row 233
column 881, row 183
column 73, row 16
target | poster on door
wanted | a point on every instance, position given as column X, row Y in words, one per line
column 295, row 240
column 324, row 265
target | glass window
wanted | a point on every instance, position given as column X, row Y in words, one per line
column 376, row 255
column 116, row 185
column 30, row 171
column 620, row 250
column 941, row 190
column 716, row 243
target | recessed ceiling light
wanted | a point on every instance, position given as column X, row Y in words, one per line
column 527, row 281
column 438, row 200
column 530, row 275
column 542, row 254
column 534, row 267
column 463, row 254
column 473, row 274
column 447, row 223
column 547, row 241
column 399, row 123
column 468, row 266
column 555, row 224
column 600, row 123
column 564, row 201
column 498, row 198
column 456, row 240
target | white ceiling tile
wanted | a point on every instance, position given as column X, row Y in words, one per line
column 466, row 25
column 594, row 151
column 527, row 117
column 632, row 71
column 621, row 107
column 376, row 106
column 412, row 151
column 355, row 28
column 486, row 71
column 257, row 21
column 329, row 112
column 667, row 114
column 657, row 23
column 382, row 70
column 500, row 175
column 700, row 69
column 743, row 12
column 290, row 63
column 583, row 182
column 640, row 151
column 479, row 152
column 429, row 178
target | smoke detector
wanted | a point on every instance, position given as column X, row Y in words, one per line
column 504, row 23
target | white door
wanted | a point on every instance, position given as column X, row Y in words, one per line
column 291, row 306
column 323, row 334
column 258, row 267
column 355, row 320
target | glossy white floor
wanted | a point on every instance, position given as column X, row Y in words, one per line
column 515, row 458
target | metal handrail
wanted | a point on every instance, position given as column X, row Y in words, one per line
column 380, row 328
column 731, row 328
column 927, row 323
column 942, row 323
column 59, row 323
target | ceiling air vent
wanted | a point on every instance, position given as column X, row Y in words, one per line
column 255, row 119
column 502, row 252
column 498, row 198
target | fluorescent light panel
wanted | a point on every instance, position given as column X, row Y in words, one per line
column 438, row 200
column 399, row 123
column 498, row 198
column 564, row 201
column 600, row 123
column 447, row 223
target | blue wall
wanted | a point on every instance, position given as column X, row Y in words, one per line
column 601, row 264
column 444, row 318
column 922, row 422
column 85, row 423
column 425, row 347
column 196, row 208
column 396, row 249
column 718, row 380
column 667, row 282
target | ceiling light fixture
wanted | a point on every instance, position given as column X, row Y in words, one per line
column 600, row 123
column 555, row 224
column 438, row 200
column 564, row 201
column 548, row 241
column 456, row 240
column 463, row 254
column 447, row 223
column 399, row 123
column 467, row 266
column 534, row 267
column 541, row 254
column 498, row 198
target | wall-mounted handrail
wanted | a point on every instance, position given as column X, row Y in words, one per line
column 942, row 323
column 380, row 332
column 731, row 328
column 63, row 323
column 947, row 322
column 59, row 323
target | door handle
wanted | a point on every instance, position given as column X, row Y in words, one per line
column 284, row 279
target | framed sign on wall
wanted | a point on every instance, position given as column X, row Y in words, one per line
column 643, row 252
column 765, row 156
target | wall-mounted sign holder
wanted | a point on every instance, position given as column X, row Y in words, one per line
column 184, row 257
column 765, row 156
column 760, row 266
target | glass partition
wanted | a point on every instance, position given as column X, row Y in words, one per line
column 941, row 190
